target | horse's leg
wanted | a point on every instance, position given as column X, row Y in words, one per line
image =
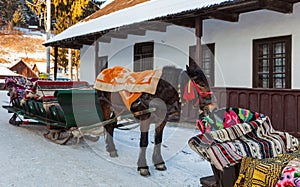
column 157, row 157
column 106, row 111
column 142, row 162
column 110, row 145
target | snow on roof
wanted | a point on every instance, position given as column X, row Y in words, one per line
column 4, row 71
column 111, row 6
column 106, row 3
column 135, row 14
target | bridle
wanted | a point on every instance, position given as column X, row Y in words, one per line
column 201, row 95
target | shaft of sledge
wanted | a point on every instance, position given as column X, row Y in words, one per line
column 116, row 119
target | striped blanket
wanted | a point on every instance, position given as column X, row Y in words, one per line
column 253, row 137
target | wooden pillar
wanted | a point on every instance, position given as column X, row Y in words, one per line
column 55, row 61
column 70, row 67
column 199, row 33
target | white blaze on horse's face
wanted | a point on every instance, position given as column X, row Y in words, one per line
column 209, row 108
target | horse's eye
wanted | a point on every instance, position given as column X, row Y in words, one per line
column 201, row 85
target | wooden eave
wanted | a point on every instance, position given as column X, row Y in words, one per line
column 228, row 11
column 231, row 11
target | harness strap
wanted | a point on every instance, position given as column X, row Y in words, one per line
column 201, row 94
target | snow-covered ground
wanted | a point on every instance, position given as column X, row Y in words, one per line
column 27, row 47
column 28, row 159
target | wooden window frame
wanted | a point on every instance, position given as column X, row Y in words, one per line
column 139, row 56
column 287, row 40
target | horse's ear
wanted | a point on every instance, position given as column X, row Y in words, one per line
column 189, row 70
column 187, row 67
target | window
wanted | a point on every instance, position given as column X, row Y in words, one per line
column 272, row 62
column 208, row 60
column 143, row 56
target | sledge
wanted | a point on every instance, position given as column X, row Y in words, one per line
column 68, row 109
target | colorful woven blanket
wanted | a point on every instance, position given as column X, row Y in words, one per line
column 129, row 84
column 242, row 134
column 290, row 175
column 226, row 117
column 266, row 172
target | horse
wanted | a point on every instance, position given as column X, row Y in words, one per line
column 168, row 93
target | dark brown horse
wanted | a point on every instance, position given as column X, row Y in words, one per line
column 167, row 101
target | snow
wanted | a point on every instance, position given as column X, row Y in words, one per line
column 28, row 159
column 139, row 13
column 4, row 71
column 106, row 3
column 24, row 51
column 31, row 33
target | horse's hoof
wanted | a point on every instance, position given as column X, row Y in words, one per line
column 144, row 172
column 113, row 154
column 160, row 167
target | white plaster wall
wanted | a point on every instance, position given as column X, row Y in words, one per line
column 170, row 48
column 87, row 65
column 233, row 44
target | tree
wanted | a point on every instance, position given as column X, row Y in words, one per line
column 7, row 11
column 39, row 9
column 65, row 13
column 68, row 13
column 19, row 16
column 92, row 6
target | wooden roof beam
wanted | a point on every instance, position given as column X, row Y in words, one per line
column 293, row 1
column 133, row 30
column 105, row 39
column 118, row 34
column 224, row 15
column 156, row 28
column 85, row 41
column 277, row 5
column 152, row 26
column 138, row 32
column 235, row 6
column 67, row 45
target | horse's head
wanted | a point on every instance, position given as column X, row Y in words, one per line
column 206, row 99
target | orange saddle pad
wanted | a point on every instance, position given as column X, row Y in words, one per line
column 129, row 84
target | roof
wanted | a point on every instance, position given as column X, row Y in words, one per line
column 22, row 68
column 4, row 71
column 113, row 6
column 113, row 17
column 141, row 12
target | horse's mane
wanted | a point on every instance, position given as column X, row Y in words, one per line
column 172, row 75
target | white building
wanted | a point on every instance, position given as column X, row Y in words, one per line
column 253, row 47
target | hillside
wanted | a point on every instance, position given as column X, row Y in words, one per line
column 25, row 45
